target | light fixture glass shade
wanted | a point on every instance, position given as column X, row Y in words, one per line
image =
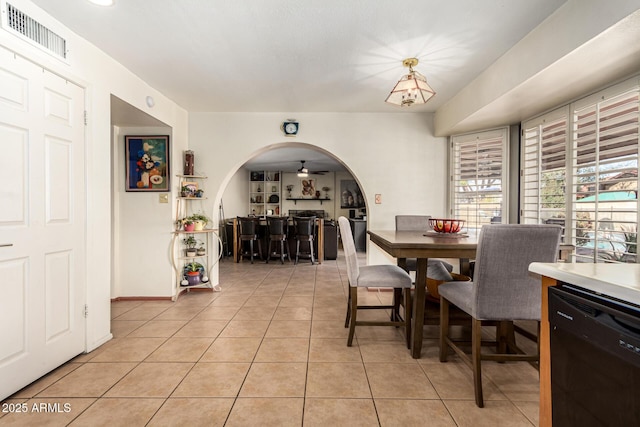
column 412, row 88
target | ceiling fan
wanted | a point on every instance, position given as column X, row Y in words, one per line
column 303, row 171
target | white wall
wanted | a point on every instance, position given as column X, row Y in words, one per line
column 101, row 76
column 142, row 263
column 395, row 155
column 235, row 199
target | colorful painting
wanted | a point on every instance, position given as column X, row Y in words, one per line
column 147, row 163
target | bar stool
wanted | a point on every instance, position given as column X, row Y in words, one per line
column 305, row 231
column 278, row 233
column 248, row 232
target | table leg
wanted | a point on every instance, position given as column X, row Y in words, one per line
column 418, row 307
column 402, row 263
column 465, row 267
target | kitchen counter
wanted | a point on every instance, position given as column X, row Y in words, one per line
column 621, row 281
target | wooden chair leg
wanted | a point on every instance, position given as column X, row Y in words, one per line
column 502, row 329
column 395, row 312
column 269, row 251
column 286, row 247
column 407, row 316
column 281, row 251
column 476, row 342
column 297, row 250
column 354, row 313
column 251, row 249
column 311, row 251
column 348, row 316
column 444, row 328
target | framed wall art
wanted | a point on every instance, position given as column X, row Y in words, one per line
column 147, row 163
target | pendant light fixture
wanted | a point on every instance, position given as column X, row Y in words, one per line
column 303, row 172
column 412, row 88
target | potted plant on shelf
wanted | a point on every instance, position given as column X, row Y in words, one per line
column 190, row 242
column 199, row 193
column 289, row 188
column 188, row 224
column 200, row 220
column 193, row 271
column 185, row 192
column 201, row 251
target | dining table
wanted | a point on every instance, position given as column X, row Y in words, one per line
column 423, row 245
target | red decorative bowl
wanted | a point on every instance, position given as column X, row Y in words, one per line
column 443, row 225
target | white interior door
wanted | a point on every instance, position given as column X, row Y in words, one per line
column 42, row 222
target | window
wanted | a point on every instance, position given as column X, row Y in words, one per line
column 543, row 170
column 595, row 140
column 479, row 183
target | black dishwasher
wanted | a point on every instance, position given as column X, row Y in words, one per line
column 595, row 359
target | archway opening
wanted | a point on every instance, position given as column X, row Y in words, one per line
column 267, row 184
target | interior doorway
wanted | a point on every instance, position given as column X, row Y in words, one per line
column 337, row 193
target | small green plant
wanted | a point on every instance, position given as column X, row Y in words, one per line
column 190, row 242
column 193, row 267
column 199, row 217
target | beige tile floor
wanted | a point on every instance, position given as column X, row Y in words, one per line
column 270, row 350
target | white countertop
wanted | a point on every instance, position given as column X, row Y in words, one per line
column 620, row 281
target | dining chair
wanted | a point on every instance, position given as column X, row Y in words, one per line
column 305, row 227
column 418, row 223
column 502, row 291
column 376, row 276
column 248, row 232
column 277, row 228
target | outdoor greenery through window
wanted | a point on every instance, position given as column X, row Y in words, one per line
column 580, row 170
column 478, row 178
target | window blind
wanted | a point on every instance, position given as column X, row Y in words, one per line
column 579, row 169
column 605, row 175
column 478, row 177
column 543, row 169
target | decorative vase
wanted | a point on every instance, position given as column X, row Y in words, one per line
column 193, row 277
column 189, row 227
column 201, row 252
column 191, row 252
column 199, row 225
column 188, row 162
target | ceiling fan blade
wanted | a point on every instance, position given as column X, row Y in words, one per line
column 318, row 172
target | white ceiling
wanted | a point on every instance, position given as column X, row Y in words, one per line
column 301, row 56
column 293, row 56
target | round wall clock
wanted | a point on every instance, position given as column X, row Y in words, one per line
column 290, row 128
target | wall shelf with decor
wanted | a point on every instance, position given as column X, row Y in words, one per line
column 295, row 200
column 194, row 246
column 265, row 193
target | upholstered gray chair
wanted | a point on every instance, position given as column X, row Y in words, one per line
column 377, row 276
column 418, row 223
column 502, row 291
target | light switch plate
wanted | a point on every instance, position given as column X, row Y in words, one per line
column 164, row 198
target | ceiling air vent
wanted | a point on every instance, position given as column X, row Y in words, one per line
column 28, row 27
